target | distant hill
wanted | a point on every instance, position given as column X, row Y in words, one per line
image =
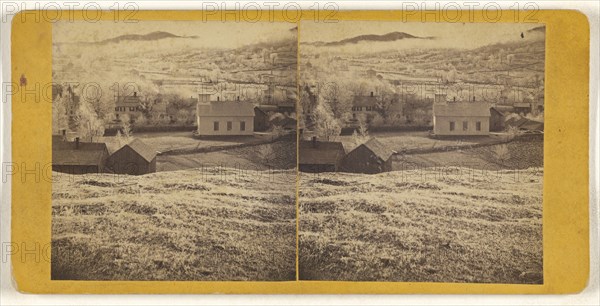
column 137, row 37
column 393, row 36
column 540, row 29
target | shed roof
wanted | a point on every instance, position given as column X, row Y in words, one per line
column 378, row 148
column 142, row 149
column 461, row 109
column 320, row 152
column 88, row 153
column 225, row 109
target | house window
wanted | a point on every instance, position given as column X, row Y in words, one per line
column 116, row 109
column 229, row 125
column 478, row 125
column 216, row 125
column 451, row 125
column 465, row 125
column 242, row 125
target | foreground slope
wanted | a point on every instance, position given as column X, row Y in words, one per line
column 429, row 225
column 197, row 224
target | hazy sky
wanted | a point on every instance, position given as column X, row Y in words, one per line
column 210, row 34
column 448, row 35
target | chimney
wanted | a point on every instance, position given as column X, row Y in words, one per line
column 371, row 93
column 314, row 141
column 77, row 143
column 135, row 93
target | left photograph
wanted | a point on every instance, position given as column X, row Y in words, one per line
column 174, row 151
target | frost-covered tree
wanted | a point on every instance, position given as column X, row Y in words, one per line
column 89, row 126
column 326, row 125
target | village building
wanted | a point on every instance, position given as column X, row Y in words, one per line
column 320, row 156
column 220, row 118
column 371, row 73
column 370, row 157
column 364, row 106
column 262, row 114
column 460, row 118
column 286, row 123
column 522, row 108
column 496, row 119
column 129, row 106
column 134, row 158
column 77, row 157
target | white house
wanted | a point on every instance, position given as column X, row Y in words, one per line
column 224, row 117
column 460, row 118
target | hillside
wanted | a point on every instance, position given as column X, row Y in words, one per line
column 445, row 224
column 197, row 224
column 393, row 36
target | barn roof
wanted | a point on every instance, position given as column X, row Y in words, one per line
column 364, row 101
column 461, row 109
column 320, row 152
column 225, row 109
column 378, row 148
column 88, row 153
column 142, row 149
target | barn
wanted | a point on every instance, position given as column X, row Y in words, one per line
column 75, row 157
column 134, row 158
column 320, row 156
column 369, row 158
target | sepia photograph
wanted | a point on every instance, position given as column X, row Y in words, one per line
column 421, row 152
column 174, row 151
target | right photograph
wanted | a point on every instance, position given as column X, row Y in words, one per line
column 421, row 152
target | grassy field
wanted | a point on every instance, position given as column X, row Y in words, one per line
column 514, row 155
column 166, row 141
column 214, row 224
column 277, row 155
column 401, row 141
column 427, row 225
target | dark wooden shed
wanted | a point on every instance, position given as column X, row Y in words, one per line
column 370, row 157
column 320, row 156
column 75, row 157
column 496, row 120
column 134, row 158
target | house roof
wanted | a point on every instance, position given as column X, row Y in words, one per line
column 378, row 148
column 266, row 108
column 67, row 153
column 461, row 109
column 285, row 122
column 523, row 123
column 225, row 109
column 532, row 125
column 142, row 149
column 364, row 101
column 320, row 152
column 128, row 101
column 522, row 105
